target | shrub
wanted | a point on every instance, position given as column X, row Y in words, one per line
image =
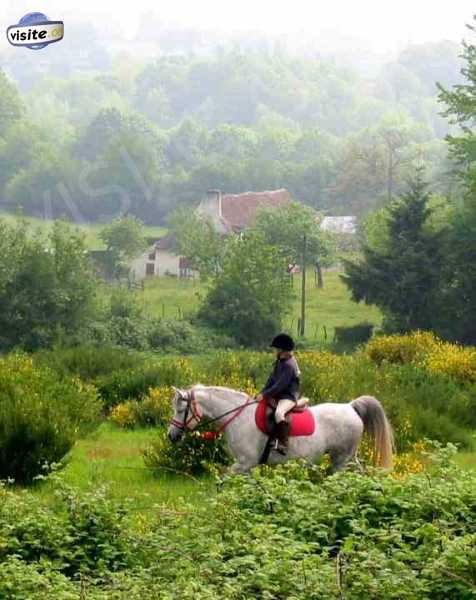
column 89, row 362
column 196, row 453
column 453, row 360
column 401, row 349
column 153, row 410
column 135, row 383
column 283, row 532
column 185, row 338
column 83, row 532
column 41, row 416
column 355, row 334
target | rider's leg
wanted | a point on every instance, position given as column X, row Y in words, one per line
column 282, row 426
column 284, row 406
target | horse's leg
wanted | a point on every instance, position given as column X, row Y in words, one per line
column 342, row 456
column 238, row 467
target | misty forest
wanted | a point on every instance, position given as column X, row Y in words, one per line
column 162, row 131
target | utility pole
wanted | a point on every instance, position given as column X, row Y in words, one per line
column 303, row 290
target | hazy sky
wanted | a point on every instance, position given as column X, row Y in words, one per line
column 371, row 24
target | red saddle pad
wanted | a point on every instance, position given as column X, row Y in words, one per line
column 302, row 423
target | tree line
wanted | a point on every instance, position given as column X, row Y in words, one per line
column 146, row 138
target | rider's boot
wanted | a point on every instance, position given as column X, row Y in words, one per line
column 282, row 433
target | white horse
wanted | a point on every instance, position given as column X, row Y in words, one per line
column 339, row 427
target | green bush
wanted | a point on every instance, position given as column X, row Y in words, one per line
column 283, row 532
column 41, row 416
column 194, row 454
column 168, row 335
column 355, row 334
column 80, row 533
column 89, row 362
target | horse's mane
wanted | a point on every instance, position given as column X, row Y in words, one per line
column 219, row 389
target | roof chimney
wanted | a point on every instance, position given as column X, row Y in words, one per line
column 214, row 203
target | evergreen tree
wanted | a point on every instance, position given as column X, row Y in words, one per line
column 460, row 296
column 402, row 275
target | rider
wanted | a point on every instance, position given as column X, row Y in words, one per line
column 282, row 388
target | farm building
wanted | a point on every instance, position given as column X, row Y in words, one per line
column 159, row 260
column 230, row 213
column 340, row 224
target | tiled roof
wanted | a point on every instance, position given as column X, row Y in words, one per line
column 239, row 210
column 165, row 243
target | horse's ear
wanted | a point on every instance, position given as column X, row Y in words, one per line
column 177, row 391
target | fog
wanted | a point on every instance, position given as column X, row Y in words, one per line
column 330, row 26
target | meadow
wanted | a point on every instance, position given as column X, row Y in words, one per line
column 89, row 230
column 326, row 308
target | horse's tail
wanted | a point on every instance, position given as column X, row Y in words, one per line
column 377, row 426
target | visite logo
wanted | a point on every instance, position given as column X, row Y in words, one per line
column 35, row 31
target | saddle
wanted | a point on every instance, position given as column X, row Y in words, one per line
column 300, row 418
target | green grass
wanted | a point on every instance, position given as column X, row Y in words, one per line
column 466, row 460
column 90, row 230
column 113, row 457
column 325, row 308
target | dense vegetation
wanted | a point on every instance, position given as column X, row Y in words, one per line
column 144, row 138
column 282, row 533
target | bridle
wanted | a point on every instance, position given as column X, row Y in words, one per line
column 193, row 409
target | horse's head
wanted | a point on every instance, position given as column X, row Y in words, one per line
column 186, row 414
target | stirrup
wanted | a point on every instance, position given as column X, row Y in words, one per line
column 280, row 448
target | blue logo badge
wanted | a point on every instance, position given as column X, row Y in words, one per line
column 35, row 31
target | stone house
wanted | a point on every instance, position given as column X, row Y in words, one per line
column 230, row 213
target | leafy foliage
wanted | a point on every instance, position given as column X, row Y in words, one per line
column 196, row 454
column 124, row 239
column 41, row 416
column 282, row 532
column 46, row 286
column 250, row 296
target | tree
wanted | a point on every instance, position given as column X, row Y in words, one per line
column 125, row 240
column 197, row 239
column 10, row 103
column 250, row 295
column 461, row 293
column 401, row 273
column 47, row 288
column 287, row 226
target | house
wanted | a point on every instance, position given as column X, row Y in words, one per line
column 230, row 213
column 340, row 224
column 159, row 260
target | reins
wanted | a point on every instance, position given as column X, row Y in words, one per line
column 192, row 406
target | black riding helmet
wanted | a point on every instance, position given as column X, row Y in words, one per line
column 283, row 341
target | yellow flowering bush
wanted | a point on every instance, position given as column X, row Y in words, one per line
column 453, row 360
column 401, row 349
column 123, row 416
column 41, row 416
column 152, row 410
